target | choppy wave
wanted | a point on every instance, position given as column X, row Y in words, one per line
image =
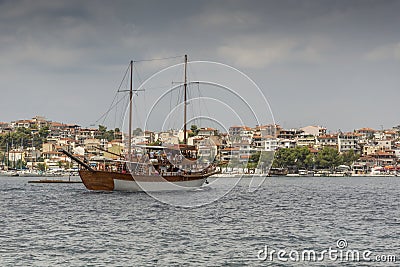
column 66, row 225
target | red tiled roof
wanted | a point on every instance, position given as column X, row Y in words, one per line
column 366, row 130
column 57, row 124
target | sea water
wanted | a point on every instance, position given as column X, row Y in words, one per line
column 67, row 225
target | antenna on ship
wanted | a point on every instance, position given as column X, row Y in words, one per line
column 184, row 104
column 130, row 114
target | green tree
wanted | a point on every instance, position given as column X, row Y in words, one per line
column 102, row 129
column 282, row 158
column 104, row 134
column 44, row 132
column 37, row 141
column 41, row 166
column 255, row 157
column 301, row 154
column 310, row 161
column 328, row 158
column 194, row 129
column 156, row 143
column 253, row 160
column 137, row 132
column 109, row 135
column 262, row 160
column 292, row 158
column 349, row 157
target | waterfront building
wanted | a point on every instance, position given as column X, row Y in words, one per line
column 384, row 158
column 37, row 122
column 15, row 155
column 379, row 135
column 364, row 164
column 55, row 160
column 347, row 142
column 313, row 130
column 5, row 127
column 235, row 130
column 49, row 146
column 91, row 146
column 171, row 139
column 207, row 132
column 379, row 147
column 66, row 143
column 265, row 143
column 289, row 133
column 32, row 155
column 370, row 149
column 239, row 134
column 307, row 140
column 162, row 136
column 85, row 133
column 366, row 133
column 180, row 134
column 385, row 144
column 79, row 151
column 140, row 139
column 194, row 140
column 116, row 147
column 229, row 153
column 245, row 151
column 207, row 150
column 330, row 140
column 53, row 156
column 389, row 134
column 268, row 130
column 149, row 136
column 21, row 124
column 286, row 143
column 396, row 150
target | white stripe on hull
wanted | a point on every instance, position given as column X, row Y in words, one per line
column 134, row 186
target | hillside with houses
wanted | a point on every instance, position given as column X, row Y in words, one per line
column 35, row 144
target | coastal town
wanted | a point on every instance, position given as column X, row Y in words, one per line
column 32, row 147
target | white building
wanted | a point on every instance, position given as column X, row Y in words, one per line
column 314, row 130
column 347, row 142
column 286, row 143
column 207, row 150
column 307, row 140
column 267, row 143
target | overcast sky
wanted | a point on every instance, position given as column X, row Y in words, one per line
column 329, row 63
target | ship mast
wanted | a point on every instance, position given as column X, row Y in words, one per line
column 184, row 104
column 130, row 114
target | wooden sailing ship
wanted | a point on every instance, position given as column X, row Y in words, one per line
column 159, row 168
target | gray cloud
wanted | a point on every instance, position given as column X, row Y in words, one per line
column 319, row 62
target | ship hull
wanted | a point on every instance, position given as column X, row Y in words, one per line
column 114, row 181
